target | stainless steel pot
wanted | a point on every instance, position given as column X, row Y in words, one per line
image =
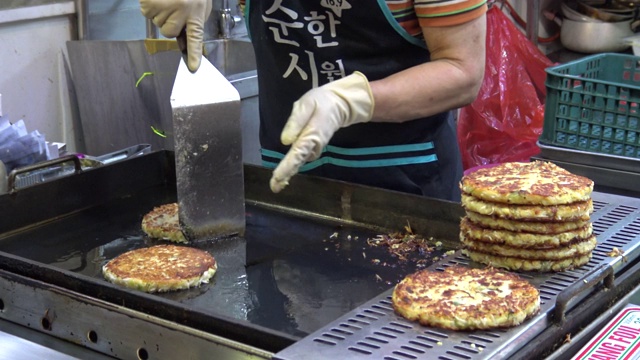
column 605, row 12
column 595, row 37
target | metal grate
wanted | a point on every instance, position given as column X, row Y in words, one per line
column 374, row 331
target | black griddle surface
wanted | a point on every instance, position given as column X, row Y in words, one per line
column 301, row 272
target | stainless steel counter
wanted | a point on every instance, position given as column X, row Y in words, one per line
column 14, row 345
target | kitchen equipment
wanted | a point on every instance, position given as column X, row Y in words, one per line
column 569, row 11
column 208, row 148
column 305, row 262
column 122, row 88
column 595, row 37
column 605, row 11
column 309, row 268
column 48, row 170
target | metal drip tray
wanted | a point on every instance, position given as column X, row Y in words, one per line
column 374, row 331
column 607, row 171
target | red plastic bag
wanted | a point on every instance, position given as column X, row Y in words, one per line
column 504, row 122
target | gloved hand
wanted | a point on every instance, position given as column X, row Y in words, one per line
column 172, row 16
column 316, row 116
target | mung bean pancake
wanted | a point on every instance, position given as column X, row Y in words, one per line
column 538, row 227
column 163, row 223
column 533, row 183
column 522, row 239
column 461, row 298
column 580, row 210
column 579, row 247
column 519, row 264
column 161, row 268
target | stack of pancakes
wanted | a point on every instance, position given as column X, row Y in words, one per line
column 527, row 216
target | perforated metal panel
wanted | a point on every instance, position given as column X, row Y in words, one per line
column 374, row 331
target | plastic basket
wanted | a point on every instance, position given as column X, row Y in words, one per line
column 593, row 104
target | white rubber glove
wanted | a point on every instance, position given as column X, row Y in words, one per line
column 172, row 16
column 316, row 116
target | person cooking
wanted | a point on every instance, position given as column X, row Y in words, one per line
column 358, row 91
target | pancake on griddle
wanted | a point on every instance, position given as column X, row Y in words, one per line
column 537, row 227
column 535, row 183
column 461, row 298
column 579, row 247
column 161, row 268
column 527, row 217
column 162, row 223
column 518, row 264
column 522, row 239
column 580, row 210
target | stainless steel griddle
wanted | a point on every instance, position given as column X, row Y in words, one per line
column 374, row 331
column 311, row 284
column 305, row 255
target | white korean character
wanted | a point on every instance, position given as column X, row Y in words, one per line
column 316, row 26
column 331, row 71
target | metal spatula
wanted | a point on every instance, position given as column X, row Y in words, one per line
column 208, row 153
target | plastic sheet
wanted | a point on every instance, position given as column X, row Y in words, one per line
column 19, row 148
column 504, row 122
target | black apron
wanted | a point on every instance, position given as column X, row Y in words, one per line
column 304, row 44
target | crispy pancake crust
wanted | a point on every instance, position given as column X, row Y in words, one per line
column 161, row 268
column 533, row 183
column 473, row 232
column 518, row 264
column 461, row 298
column 579, row 248
column 490, row 222
column 568, row 212
column 162, row 223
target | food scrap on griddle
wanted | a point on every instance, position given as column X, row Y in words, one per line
column 405, row 244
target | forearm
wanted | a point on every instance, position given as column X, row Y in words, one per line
column 422, row 91
column 450, row 80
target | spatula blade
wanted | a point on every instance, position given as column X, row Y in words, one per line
column 208, row 153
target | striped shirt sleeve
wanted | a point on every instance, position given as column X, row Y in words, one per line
column 448, row 12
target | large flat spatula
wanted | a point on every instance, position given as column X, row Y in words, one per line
column 208, row 153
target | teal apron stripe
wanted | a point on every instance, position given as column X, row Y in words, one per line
column 380, row 149
column 360, row 163
column 363, row 151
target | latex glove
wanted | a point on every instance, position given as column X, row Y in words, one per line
column 316, row 116
column 172, row 16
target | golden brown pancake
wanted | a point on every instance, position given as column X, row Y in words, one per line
column 460, row 298
column 161, row 268
column 567, row 212
column 577, row 248
column 533, row 183
column 162, row 223
column 521, row 239
column 547, row 227
column 518, row 264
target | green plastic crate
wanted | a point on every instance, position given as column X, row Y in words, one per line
column 593, row 104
